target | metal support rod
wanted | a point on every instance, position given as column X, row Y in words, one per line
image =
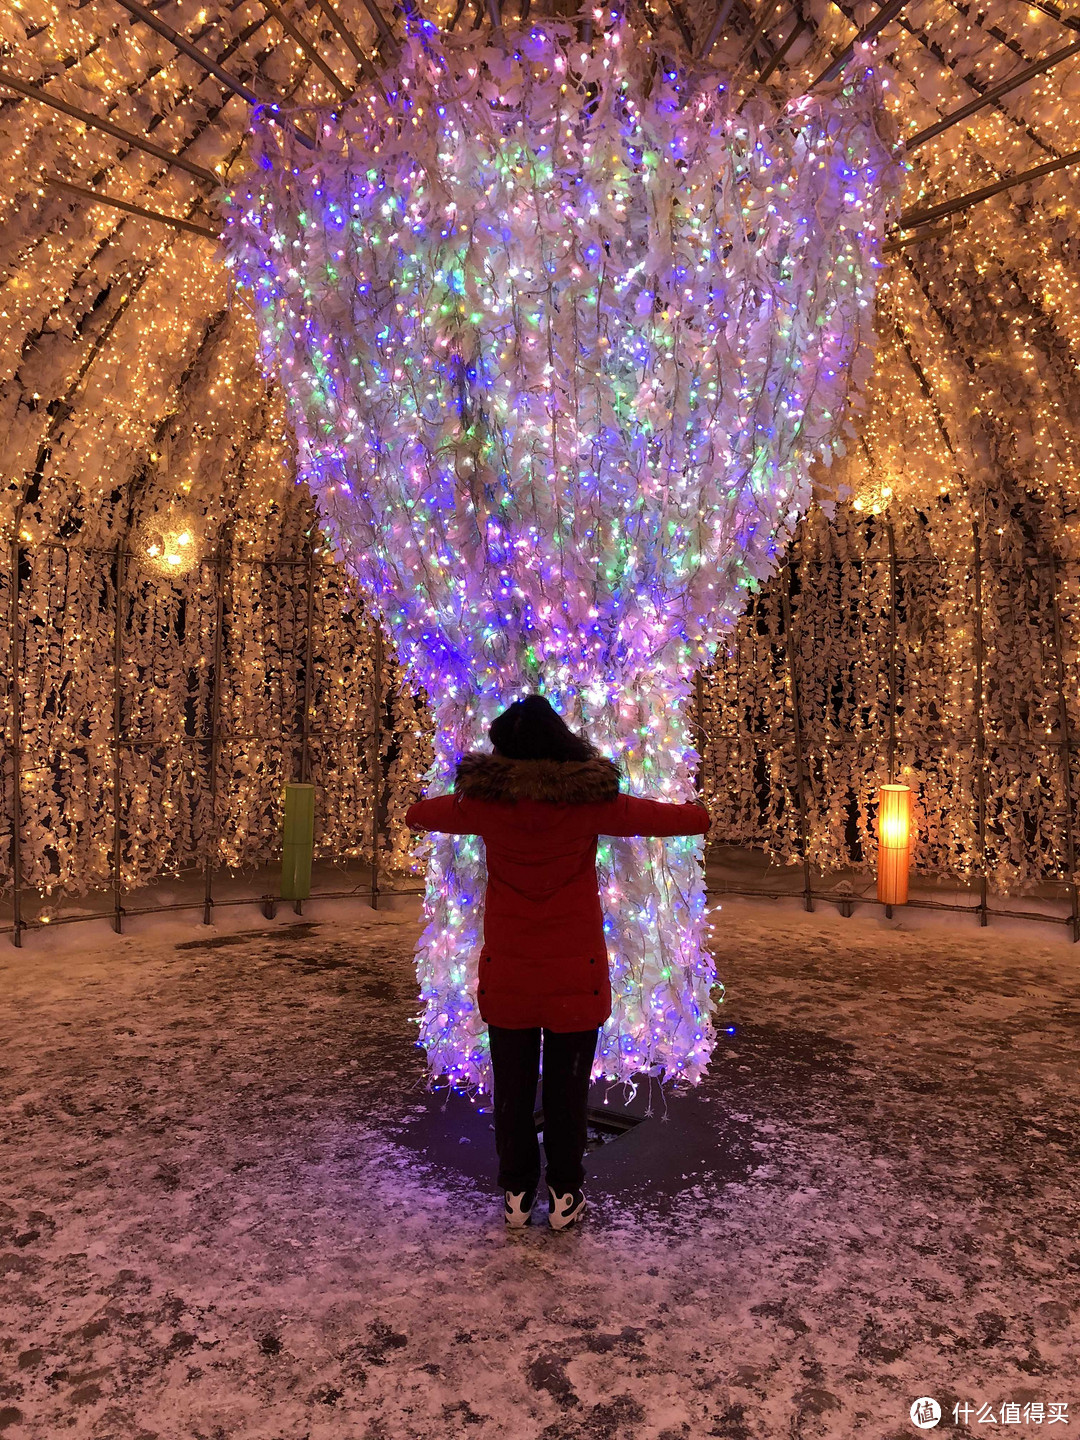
column 219, row 73
column 921, row 37
column 459, row 8
column 1072, row 22
column 97, row 123
column 191, row 51
column 308, row 678
column 1065, row 729
column 307, row 47
column 701, row 738
column 117, row 737
column 214, row 747
column 800, row 767
column 890, row 749
column 380, row 21
column 376, row 757
column 915, row 218
column 678, row 14
column 307, row 681
column 833, row 898
column 870, row 31
column 174, row 220
column 717, row 28
column 764, row 20
column 1028, row 72
column 890, row 742
column 779, row 56
column 350, row 41
column 15, row 703
column 919, row 236
column 980, row 719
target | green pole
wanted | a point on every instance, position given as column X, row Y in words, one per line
column 297, row 842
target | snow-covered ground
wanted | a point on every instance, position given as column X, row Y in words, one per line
column 228, row 1209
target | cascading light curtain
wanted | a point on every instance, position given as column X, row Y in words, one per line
column 561, row 330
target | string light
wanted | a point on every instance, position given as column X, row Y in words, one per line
column 990, row 317
column 560, row 335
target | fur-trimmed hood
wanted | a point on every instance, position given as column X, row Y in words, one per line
column 562, row 782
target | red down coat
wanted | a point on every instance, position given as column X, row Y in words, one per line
column 544, row 960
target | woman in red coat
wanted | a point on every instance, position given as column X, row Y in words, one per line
column 539, row 803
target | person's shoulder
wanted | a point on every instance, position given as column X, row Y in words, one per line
column 498, row 779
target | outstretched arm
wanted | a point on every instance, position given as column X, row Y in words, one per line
column 445, row 813
column 631, row 815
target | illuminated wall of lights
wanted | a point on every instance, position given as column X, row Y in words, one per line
column 210, row 509
column 134, row 415
column 969, row 428
column 977, row 712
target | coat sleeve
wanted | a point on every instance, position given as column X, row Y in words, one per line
column 444, row 813
column 631, row 815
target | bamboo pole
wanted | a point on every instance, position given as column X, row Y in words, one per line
column 1065, row 751
column 173, row 220
column 15, row 702
column 31, row 92
column 800, row 765
column 117, row 737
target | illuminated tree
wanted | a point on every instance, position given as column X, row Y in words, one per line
column 562, row 328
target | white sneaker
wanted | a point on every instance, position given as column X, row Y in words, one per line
column 517, row 1207
column 565, row 1209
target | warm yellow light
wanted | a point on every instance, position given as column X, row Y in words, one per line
column 894, row 843
column 894, row 816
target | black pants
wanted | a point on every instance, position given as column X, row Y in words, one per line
column 515, row 1059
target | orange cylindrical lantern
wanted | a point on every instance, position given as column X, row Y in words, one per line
column 894, row 844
